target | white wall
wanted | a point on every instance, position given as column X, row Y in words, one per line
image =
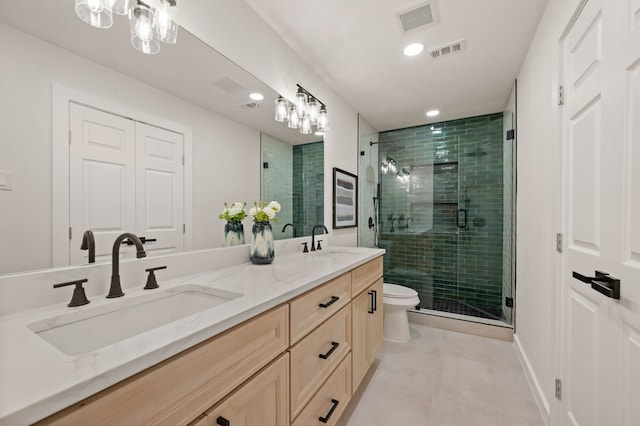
column 538, row 204
column 234, row 29
column 221, row 147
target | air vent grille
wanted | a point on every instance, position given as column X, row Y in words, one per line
column 448, row 49
column 417, row 16
column 227, row 85
column 250, row 105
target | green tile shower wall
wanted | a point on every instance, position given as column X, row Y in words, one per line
column 460, row 168
column 308, row 186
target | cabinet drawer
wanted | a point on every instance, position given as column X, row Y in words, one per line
column 331, row 399
column 263, row 400
column 312, row 308
column 180, row 388
column 365, row 275
column 332, row 340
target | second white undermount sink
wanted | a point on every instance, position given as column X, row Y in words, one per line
column 89, row 329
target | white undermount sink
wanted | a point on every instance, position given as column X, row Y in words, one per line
column 88, row 329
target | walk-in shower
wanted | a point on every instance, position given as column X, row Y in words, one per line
column 442, row 209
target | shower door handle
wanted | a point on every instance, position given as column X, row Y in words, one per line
column 461, row 218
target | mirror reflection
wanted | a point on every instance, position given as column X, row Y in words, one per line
column 132, row 117
column 294, row 176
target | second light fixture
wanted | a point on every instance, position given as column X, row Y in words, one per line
column 306, row 111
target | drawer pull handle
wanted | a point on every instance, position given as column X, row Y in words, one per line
column 222, row 421
column 334, row 346
column 373, row 298
column 333, row 300
column 325, row 419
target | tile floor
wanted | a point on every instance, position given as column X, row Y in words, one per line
column 444, row 378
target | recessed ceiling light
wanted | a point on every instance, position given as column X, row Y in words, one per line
column 256, row 96
column 414, row 49
column 319, row 133
column 433, row 113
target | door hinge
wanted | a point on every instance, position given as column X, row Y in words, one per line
column 561, row 95
column 184, row 228
column 559, row 242
column 183, row 160
column 70, row 233
column 558, row 389
column 69, row 137
column 508, row 302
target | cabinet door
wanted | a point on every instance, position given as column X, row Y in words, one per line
column 375, row 327
column 367, row 338
column 263, row 400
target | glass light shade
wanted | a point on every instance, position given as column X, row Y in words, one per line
column 323, row 119
column 121, row 7
column 384, row 167
column 294, row 117
column 165, row 20
column 305, row 125
column 392, row 165
column 301, row 102
column 282, row 110
column 97, row 13
column 313, row 110
column 144, row 36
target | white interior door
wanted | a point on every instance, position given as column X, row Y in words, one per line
column 601, row 206
column 159, row 188
column 101, row 179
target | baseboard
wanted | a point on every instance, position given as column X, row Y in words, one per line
column 534, row 384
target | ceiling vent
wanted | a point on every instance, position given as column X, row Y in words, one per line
column 227, row 85
column 448, row 49
column 417, row 17
column 250, row 105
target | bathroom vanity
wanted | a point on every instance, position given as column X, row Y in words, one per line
column 290, row 348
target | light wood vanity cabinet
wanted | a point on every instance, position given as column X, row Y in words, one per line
column 297, row 364
column 367, row 329
column 263, row 400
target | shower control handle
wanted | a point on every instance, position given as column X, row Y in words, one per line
column 461, row 218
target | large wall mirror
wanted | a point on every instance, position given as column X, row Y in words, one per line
column 61, row 75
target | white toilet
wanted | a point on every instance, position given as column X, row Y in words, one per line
column 397, row 299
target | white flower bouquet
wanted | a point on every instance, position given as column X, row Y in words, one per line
column 263, row 212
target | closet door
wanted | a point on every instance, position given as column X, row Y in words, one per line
column 159, row 188
column 101, row 179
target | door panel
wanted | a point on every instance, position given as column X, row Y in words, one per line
column 159, row 195
column 601, row 148
column 102, row 179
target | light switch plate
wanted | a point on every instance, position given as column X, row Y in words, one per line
column 5, row 181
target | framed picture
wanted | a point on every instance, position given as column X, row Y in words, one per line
column 345, row 199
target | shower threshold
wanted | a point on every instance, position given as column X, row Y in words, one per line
column 462, row 317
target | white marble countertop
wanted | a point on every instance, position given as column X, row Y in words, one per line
column 37, row 379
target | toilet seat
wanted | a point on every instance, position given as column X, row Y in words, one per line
column 395, row 291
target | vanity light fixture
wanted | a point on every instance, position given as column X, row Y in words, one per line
column 303, row 113
column 97, row 13
column 282, row 109
column 149, row 25
column 388, row 165
column 294, row 117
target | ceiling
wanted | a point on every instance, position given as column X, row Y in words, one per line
column 357, row 47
